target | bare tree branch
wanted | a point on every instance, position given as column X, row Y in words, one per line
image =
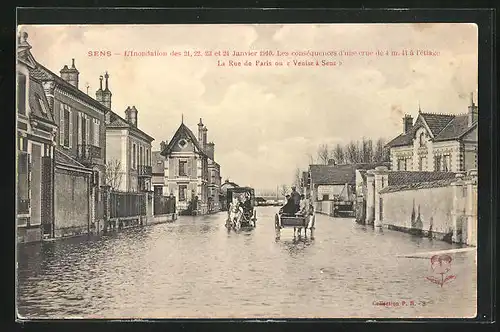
column 323, row 154
column 114, row 174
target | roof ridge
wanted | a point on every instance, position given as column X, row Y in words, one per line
column 441, row 114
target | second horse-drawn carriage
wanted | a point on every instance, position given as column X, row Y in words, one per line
column 297, row 221
column 241, row 208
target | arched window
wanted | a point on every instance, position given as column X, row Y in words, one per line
column 422, row 139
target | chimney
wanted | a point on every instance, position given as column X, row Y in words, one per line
column 407, row 123
column 200, row 133
column 70, row 75
column 163, row 145
column 205, row 137
column 473, row 112
column 210, row 150
column 131, row 115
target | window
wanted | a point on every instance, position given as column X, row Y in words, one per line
column 97, row 126
column 437, row 163
column 23, row 183
column 133, row 156
column 182, row 193
column 21, row 94
column 182, row 167
column 447, row 163
column 402, row 164
column 422, row 166
column 147, row 158
column 422, row 139
column 65, row 126
column 326, row 197
column 141, row 161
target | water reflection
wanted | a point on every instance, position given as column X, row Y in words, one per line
column 195, row 268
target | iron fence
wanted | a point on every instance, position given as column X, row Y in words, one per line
column 127, row 204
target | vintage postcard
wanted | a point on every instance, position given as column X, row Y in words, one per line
column 247, row 171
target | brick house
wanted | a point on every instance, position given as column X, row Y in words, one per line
column 36, row 133
column 437, row 142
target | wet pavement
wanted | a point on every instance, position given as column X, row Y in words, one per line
column 195, row 268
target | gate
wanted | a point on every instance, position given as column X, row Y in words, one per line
column 163, row 205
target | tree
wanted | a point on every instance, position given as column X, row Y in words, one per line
column 323, row 154
column 352, row 152
column 297, row 177
column 338, row 154
column 310, row 158
column 114, row 174
column 283, row 190
column 382, row 152
column 366, row 150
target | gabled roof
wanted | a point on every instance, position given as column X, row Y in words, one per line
column 38, row 102
column 455, row 129
column 443, row 127
column 436, row 122
column 399, row 178
column 182, row 131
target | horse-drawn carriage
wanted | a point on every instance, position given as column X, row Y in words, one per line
column 241, row 208
column 297, row 222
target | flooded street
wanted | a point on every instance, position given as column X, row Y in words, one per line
column 195, row 268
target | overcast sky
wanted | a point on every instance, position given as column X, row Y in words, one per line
column 265, row 120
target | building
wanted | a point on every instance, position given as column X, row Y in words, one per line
column 437, row 142
column 191, row 173
column 36, row 140
column 79, row 154
column 158, row 170
column 129, row 164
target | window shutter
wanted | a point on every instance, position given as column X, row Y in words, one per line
column 176, row 167
column 189, row 167
column 70, row 133
column 79, row 128
column 97, row 132
column 87, row 130
column 91, row 131
column 61, row 125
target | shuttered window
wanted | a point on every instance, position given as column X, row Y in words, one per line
column 65, row 126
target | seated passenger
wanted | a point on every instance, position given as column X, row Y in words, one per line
column 289, row 208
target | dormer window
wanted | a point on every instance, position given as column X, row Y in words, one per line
column 42, row 105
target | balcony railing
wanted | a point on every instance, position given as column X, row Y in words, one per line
column 144, row 170
column 87, row 153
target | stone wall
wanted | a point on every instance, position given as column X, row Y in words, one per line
column 71, row 203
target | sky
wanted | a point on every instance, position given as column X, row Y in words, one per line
column 266, row 121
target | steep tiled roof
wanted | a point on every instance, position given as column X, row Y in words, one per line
column 455, row 129
column 62, row 158
column 332, row 174
column 397, row 178
column 437, row 122
column 157, row 159
column 183, row 129
column 38, row 102
column 443, row 126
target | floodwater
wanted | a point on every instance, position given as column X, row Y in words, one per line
column 195, row 268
